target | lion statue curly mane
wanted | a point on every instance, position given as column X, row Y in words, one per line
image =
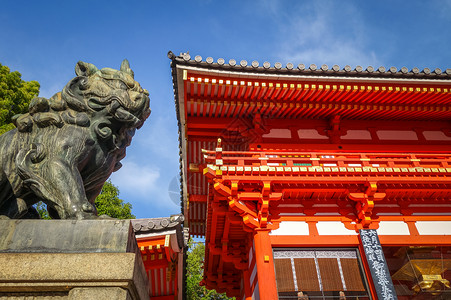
column 65, row 148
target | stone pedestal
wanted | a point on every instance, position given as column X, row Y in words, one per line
column 65, row 259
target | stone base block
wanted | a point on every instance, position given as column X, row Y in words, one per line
column 72, row 276
column 70, row 259
column 99, row 293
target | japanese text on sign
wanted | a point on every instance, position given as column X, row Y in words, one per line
column 378, row 266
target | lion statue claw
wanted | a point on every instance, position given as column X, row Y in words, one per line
column 65, row 148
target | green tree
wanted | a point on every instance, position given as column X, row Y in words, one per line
column 194, row 267
column 15, row 95
column 108, row 203
column 42, row 210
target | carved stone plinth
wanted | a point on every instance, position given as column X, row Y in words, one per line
column 64, row 259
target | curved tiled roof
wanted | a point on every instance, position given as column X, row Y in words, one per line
column 302, row 69
column 157, row 224
column 256, row 69
column 160, row 225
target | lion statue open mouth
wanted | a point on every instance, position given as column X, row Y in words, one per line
column 66, row 147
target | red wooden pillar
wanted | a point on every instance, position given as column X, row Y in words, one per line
column 265, row 265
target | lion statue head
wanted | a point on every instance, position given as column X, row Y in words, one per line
column 98, row 98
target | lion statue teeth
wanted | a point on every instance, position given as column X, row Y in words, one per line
column 65, row 148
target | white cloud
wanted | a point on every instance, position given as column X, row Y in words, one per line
column 444, row 9
column 146, row 188
column 159, row 136
column 137, row 180
column 322, row 32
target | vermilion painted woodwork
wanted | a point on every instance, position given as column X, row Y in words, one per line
column 158, row 258
column 265, row 265
column 285, row 154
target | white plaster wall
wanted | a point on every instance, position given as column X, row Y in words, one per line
column 333, row 228
column 393, row 228
column 434, row 227
column 291, row 228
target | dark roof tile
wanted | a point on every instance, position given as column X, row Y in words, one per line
column 157, row 224
column 359, row 71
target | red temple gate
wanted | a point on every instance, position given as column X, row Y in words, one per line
column 283, row 166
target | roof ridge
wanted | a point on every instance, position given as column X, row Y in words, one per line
column 313, row 69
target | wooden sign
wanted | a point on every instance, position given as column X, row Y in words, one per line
column 378, row 265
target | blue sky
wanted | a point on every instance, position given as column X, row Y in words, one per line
column 44, row 39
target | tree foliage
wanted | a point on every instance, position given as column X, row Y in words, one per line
column 15, row 95
column 108, row 203
column 42, row 211
column 194, row 270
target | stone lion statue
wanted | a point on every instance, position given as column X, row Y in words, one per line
column 65, row 148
